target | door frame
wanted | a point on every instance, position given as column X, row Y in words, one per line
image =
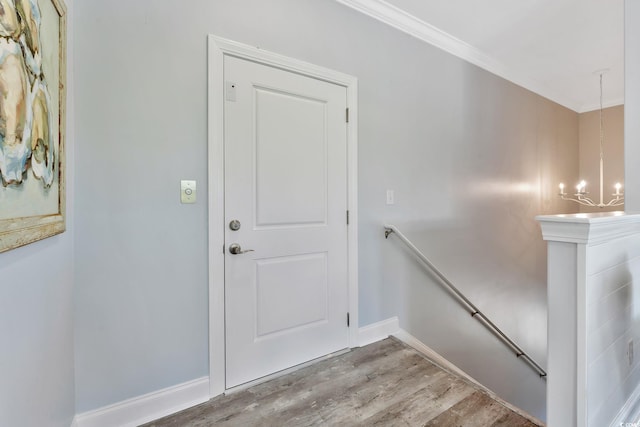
column 219, row 48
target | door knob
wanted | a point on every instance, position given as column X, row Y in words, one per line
column 235, row 249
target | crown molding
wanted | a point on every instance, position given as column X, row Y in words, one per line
column 409, row 24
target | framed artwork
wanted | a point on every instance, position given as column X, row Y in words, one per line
column 32, row 120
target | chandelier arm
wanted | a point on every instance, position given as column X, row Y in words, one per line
column 587, row 200
column 615, row 202
column 582, row 200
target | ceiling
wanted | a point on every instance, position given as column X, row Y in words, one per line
column 552, row 47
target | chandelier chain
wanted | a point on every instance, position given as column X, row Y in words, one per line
column 601, row 123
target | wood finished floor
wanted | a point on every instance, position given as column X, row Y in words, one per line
column 383, row 384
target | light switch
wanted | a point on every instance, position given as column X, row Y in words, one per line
column 187, row 191
column 390, row 197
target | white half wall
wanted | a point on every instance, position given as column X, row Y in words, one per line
column 594, row 318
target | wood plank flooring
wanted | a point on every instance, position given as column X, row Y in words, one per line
column 383, row 384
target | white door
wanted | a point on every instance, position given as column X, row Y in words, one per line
column 286, row 186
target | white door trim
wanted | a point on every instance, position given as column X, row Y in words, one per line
column 218, row 48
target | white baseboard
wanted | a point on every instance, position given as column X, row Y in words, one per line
column 434, row 356
column 148, row 407
column 378, row 331
column 630, row 412
column 418, row 345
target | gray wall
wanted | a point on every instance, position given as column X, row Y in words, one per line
column 471, row 158
column 141, row 271
column 36, row 314
column 36, row 326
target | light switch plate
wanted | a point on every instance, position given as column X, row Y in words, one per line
column 390, row 197
column 187, row 191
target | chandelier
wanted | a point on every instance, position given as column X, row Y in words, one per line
column 580, row 195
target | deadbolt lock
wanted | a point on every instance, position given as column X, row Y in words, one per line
column 234, row 225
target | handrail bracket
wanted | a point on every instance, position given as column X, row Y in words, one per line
column 387, row 232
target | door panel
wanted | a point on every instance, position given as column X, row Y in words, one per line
column 302, row 279
column 290, row 192
column 286, row 182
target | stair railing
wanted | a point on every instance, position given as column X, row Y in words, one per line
column 473, row 310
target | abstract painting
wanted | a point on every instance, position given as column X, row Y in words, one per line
column 32, row 118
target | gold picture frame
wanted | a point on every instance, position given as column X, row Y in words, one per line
column 32, row 121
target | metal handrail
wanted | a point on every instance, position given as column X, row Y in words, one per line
column 473, row 310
